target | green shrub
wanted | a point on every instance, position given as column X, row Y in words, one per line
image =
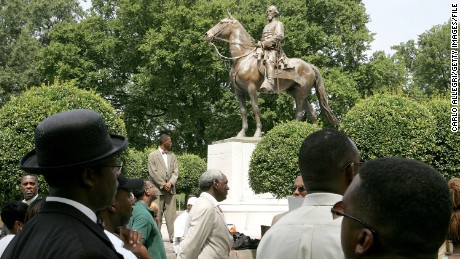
column 447, row 143
column 274, row 162
column 190, row 169
column 20, row 116
column 391, row 126
column 135, row 164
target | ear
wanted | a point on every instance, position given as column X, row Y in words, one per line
column 18, row 225
column 349, row 175
column 366, row 240
column 87, row 177
column 112, row 209
column 229, row 15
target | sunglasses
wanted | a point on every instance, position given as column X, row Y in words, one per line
column 338, row 210
column 301, row 188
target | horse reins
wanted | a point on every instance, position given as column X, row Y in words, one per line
column 235, row 43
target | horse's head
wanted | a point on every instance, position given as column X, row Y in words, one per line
column 221, row 29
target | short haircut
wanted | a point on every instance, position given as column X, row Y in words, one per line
column 139, row 193
column 407, row 202
column 13, row 211
column 163, row 138
column 29, row 174
column 323, row 153
column 208, row 177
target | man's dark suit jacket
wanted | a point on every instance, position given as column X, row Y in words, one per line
column 61, row 231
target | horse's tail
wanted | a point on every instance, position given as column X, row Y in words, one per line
column 322, row 98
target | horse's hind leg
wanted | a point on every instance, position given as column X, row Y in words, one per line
column 308, row 108
column 244, row 113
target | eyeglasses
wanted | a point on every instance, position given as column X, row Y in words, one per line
column 301, row 188
column 338, row 210
column 117, row 167
column 355, row 166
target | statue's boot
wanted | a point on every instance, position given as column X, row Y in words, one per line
column 268, row 84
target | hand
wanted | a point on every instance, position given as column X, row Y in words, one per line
column 167, row 186
column 131, row 238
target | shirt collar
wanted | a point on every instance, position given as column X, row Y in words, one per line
column 29, row 201
column 85, row 210
column 210, row 197
column 321, row 198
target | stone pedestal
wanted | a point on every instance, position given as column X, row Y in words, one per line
column 243, row 208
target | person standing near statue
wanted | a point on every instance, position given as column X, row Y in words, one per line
column 272, row 34
column 164, row 171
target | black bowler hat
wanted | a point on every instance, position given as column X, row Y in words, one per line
column 71, row 139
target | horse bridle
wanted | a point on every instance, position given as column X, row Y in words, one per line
column 214, row 36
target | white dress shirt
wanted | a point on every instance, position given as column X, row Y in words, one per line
column 118, row 244
column 85, row 210
column 164, row 154
column 308, row 232
column 4, row 242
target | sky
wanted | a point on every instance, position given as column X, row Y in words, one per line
column 396, row 21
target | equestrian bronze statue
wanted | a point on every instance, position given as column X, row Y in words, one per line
column 296, row 76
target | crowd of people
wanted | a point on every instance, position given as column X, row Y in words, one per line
column 381, row 208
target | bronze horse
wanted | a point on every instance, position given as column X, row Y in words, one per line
column 247, row 78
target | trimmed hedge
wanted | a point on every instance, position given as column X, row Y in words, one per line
column 391, row 126
column 190, row 169
column 447, row 149
column 20, row 116
column 274, row 162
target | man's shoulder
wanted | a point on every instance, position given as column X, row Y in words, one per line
column 154, row 152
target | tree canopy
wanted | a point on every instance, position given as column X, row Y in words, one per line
column 150, row 60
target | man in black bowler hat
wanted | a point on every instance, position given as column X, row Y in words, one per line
column 77, row 157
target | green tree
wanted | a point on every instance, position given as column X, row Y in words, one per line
column 20, row 116
column 24, row 30
column 274, row 162
column 427, row 61
column 432, row 63
column 381, row 74
column 391, row 126
column 342, row 90
column 150, row 60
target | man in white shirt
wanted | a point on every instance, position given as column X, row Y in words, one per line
column 207, row 236
column 328, row 161
column 116, row 217
column 164, row 172
column 181, row 223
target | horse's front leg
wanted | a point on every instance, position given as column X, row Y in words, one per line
column 252, row 91
column 244, row 113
